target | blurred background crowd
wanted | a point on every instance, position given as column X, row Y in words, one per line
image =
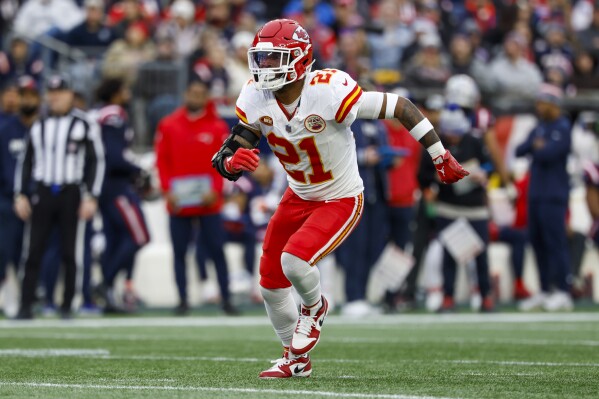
column 512, row 86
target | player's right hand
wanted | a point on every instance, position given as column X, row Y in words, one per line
column 22, row 207
column 243, row 160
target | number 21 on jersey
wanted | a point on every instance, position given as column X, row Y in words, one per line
column 291, row 156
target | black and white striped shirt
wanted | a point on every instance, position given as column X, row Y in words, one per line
column 62, row 150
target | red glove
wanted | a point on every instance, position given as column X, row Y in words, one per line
column 243, row 160
column 448, row 169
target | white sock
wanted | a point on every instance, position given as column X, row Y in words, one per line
column 282, row 312
column 305, row 280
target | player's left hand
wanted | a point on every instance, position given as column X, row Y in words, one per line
column 448, row 169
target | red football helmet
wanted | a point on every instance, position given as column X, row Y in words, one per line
column 280, row 54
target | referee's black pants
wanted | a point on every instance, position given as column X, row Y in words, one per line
column 59, row 207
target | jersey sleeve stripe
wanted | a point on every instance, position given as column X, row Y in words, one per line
column 241, row 115
column 347, row 104
column 349, row 227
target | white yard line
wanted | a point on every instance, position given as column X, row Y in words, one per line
column 333, row 341
column 279, row 392
column 59, row 352
column 525, row 318
column 104, row 354
column 519, row 363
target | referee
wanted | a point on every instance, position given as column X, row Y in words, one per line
column 57, row 183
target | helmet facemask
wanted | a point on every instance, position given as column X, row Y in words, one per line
column 274, row 67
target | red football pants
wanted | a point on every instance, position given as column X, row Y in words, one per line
column 309, row 230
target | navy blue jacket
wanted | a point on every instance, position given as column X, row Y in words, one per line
column 117, row 137
column 12, row 145
column 80, row 36
column 371, row 133
column 549, row 180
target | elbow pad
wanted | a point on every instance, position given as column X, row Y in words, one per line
column 238, row 137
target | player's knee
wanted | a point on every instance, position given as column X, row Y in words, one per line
column 275, row 296
column 293, row 267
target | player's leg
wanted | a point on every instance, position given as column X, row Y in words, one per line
column 212, row 237
column 449, row 272
column 180, row 230
column 276, row 289
column 327, row 226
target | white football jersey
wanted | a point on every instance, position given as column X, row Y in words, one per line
column 315, row 145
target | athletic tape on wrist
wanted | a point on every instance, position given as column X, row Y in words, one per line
column 421, row 129
column 392, row 100
column 436, row 150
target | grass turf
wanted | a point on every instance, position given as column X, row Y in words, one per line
column 454, row 356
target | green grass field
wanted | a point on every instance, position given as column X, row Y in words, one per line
column 411, row 356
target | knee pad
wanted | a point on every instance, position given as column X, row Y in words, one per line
column 276, row 296
column 293, row 267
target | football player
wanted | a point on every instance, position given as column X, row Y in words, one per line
column 305, row 116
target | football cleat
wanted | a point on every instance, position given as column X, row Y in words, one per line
column 307, row 331
column 288, row 368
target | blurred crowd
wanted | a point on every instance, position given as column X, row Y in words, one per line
column 478, row 69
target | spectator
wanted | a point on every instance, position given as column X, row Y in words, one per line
column 586, row 72
column 185, row 142
column 589, row 38
column 212, row 69
column 37, row 17
column 237, row 68
column 65, row 193
column 19, row 62
column 93, row 32
column 549, row 147
column 124, row 56
column 387, row 47
column 553, row 45
column 126, row 13
column 463, row 60
column 9, row 101
column 429, row 67
column 346, row 16
column 13, row 132
column 466, row 200
column 124, row 225
column 483, row 12
column 219, row 18
column 512, row 74
column 353, row 54
column 181, row 27
column 322, row 9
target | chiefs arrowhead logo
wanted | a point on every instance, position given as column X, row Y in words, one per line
column 301, row 35
column 315, row 123
column 266, row 120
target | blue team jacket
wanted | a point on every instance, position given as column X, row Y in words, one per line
column 12, row 144
column 117, row 137
column 549, row 180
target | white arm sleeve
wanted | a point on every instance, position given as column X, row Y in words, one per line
column 370, row 105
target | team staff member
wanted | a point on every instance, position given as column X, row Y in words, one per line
column 549, row 146
column 124, row 224
column 185, row 143
column 64, row 158
column 12, row 143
